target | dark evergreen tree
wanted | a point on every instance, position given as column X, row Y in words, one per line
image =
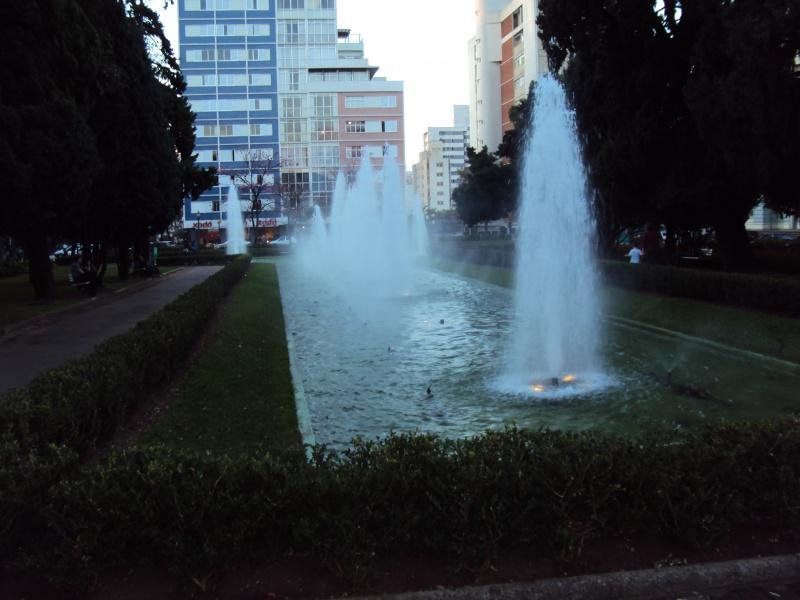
column 48, row 156
column 678, row 105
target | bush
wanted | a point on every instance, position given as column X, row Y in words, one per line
column 760, row 292
column 548, row 492
column 82, row 402
column 12, row 269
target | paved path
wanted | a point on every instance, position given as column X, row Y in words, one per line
column 767, row 578
column 48, row 342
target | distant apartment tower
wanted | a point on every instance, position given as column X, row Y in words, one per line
column 505, row 56
column 278, row 80
column 441, row 161
column 228, row 57
column 332, row 107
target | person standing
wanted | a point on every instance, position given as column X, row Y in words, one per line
column 635, row 254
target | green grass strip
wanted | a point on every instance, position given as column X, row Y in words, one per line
column 755, row 331
column 238, row 394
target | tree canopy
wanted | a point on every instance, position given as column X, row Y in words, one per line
column 688, row 112
column 97, row 139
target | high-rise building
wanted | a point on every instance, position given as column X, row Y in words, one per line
column 505, row 56
column 441, row 161
column 277, row 83
column 228, row 56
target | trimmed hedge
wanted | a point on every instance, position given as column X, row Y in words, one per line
column 761, row 292
column 467, row 500
column 12, row 269
column 81, row 402
column 66, row 412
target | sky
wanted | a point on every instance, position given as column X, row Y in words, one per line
column 420, row 42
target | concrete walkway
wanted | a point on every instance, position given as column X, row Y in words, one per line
column 770, row 578
column 49, row 341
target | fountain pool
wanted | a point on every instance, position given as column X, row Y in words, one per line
column 365, row 375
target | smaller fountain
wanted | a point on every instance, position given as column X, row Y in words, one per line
column 235, row 225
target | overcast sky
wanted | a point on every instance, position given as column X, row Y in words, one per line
column 420, row 42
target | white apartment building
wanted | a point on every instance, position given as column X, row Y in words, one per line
column 332, row 108
column 438, row 171
column 505, row 56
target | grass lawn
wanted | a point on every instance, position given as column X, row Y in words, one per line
column 749, row 330
column 16, row 294
column 238, row 395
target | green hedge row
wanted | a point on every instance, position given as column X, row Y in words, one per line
column 12, row 269
column 779, row 294
column 760, row 292
column 81, row 403
column 467, row 500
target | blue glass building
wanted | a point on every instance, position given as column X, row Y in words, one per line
column 228, row 55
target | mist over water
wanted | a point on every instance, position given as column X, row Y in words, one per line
column 235, row 225
column 372, row 239
column 556, row 324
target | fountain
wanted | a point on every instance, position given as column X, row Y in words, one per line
column 235, row 225
column 373, row 236
column 555, row 330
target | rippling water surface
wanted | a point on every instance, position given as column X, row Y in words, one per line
column 365, row 367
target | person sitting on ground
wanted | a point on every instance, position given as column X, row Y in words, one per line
column 139, row 265
column 82, row 272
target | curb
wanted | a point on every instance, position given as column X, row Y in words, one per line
column 626, row 584
column 301, row 405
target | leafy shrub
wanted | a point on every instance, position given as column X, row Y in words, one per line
column 12, row 269
column 761, row 292
column 82, row 402
column 548, row 492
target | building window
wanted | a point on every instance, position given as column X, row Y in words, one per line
column 370, row 102
column 324, row 130
column 292, row 108
column 324, row 105
column 517, row 18
column 260, row 103
column 290, row 79
column 292, row 132
column 352, row 151
column 291, row 4
column 260, row 129
column 258, row 54
column 324, row 156
column 355, row 127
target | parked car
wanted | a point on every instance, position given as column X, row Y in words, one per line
column 225, row 244
column 283, row 241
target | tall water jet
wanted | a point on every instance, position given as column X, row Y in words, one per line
column 419, row 231
column 337, row 210
column 234, row 224
column 317, row 239
column 556, row 327
column 395, row 231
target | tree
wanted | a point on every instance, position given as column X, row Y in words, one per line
column 97, row 138
column 48, row 156
column 664, row 95
column 258, row 179
column 485, row 190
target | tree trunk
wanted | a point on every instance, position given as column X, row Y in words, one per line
column 123, row 259
column 733, row 244
column 40, row 268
